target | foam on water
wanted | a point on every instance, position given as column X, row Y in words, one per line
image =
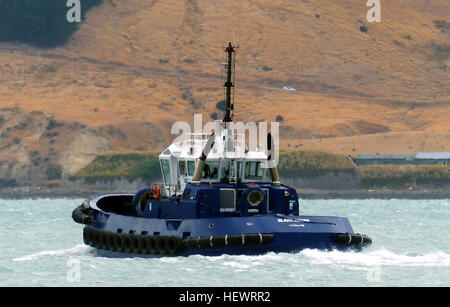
column 377, row 257
column 409, row 249
column 78, row 250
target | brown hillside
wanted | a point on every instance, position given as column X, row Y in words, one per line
column 136, row 66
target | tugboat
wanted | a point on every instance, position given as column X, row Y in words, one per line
column 217, row 198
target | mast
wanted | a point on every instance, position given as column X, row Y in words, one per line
column 229, row 84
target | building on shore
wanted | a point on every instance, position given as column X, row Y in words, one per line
column 421, row 158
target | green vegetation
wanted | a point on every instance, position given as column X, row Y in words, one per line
column 22, row 125
column 214, row 116
column 45, row 70
column 441, row 52
column 131, row 165
column 404, row 176
column 221, row 105
column 37, row 22
column 145, row 165
column 279, row 118
column 408, row 37
column 313, row 164
column 308, row 164
column 52, row 123
column 442, row 24
column 53, row 172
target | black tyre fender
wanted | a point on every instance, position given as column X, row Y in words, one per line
column 174, row 245
column 95, row 238
column 126, row 243
column 109, row 241
column 152, row 245
column 117, row 246
column 140, row 200
column 162, row 245
column 136, row 244
column 102, row 240
column 144, row 244
column 87, row 235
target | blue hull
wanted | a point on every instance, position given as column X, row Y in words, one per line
column 290, row 233
column 112, row 228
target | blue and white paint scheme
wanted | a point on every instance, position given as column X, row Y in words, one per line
column 217, row 197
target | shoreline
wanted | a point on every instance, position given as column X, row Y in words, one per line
column 77, row 193
column 373, row 194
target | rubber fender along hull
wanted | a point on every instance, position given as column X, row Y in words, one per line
column 249, row 244
column 82, row 214
column 250, row 235
column 163, row 245
column 242, row 239
column 353, row 239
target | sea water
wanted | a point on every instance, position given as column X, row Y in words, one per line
column 40, row 245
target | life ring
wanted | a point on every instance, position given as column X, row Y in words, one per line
column 156, row 192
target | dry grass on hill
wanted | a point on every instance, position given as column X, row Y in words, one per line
column 135, row 67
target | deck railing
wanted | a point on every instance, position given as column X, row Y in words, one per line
column 234, row 143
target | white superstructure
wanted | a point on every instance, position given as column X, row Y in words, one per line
column 229, row 161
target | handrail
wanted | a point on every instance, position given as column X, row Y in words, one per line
column 200, row 138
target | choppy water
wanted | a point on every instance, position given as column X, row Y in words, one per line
column 40, row 245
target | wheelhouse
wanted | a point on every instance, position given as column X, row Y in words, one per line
column 228, row 162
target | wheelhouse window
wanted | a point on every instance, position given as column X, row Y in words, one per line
column 253, row 170
column 239, row 170
column 225, row 172
column 191, row 168
column 165, row 165
column 182, row 167
column 211, row 170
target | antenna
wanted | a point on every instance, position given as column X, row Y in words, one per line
column 229, row 84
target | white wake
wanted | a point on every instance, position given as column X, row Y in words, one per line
column 378, row 257
column 77, row 250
